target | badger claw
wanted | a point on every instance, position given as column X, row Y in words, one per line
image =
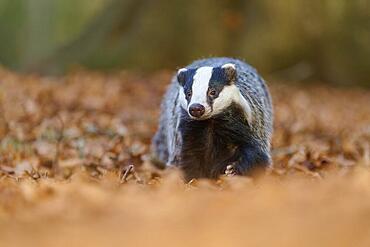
column 230, row 171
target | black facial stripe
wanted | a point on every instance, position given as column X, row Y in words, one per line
column 217, row 82
column 189, row 79
column 218, row 75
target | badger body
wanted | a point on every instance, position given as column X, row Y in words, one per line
column 216, row 117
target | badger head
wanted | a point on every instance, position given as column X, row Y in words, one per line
column 207, row 91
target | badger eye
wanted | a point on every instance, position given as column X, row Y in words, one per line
column 188, row 94
column 212, row 92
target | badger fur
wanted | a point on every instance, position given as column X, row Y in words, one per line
column 216, row 117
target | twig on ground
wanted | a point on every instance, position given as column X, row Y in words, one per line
column 124, row 173
column 306, row 171
column 137, row 177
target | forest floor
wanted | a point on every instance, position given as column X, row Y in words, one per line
column 75, row 169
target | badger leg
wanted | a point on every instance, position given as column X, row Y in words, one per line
column 174, row 140
column 159, row 150
column 174, row 155
column 250, row 158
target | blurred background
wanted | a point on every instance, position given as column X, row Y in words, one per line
column 297, row 40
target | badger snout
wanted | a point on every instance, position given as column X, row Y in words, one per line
column 197, row 110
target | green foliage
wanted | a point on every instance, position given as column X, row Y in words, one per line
column 296, row 39
column 12, row 14
column 33, row 29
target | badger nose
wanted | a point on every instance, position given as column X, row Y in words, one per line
column 196, row 110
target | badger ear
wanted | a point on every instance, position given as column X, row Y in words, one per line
column 181, row 73
column 229, row 71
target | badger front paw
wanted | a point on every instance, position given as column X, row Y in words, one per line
column 230, row 170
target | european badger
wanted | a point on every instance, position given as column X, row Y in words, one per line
column 216, row 118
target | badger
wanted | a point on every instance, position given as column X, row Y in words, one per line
column 216, row 118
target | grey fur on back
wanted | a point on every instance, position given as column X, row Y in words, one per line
column 167, row 141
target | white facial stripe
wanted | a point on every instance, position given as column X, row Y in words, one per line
column 228, row 95
column 200, row 86
column 245, row 106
